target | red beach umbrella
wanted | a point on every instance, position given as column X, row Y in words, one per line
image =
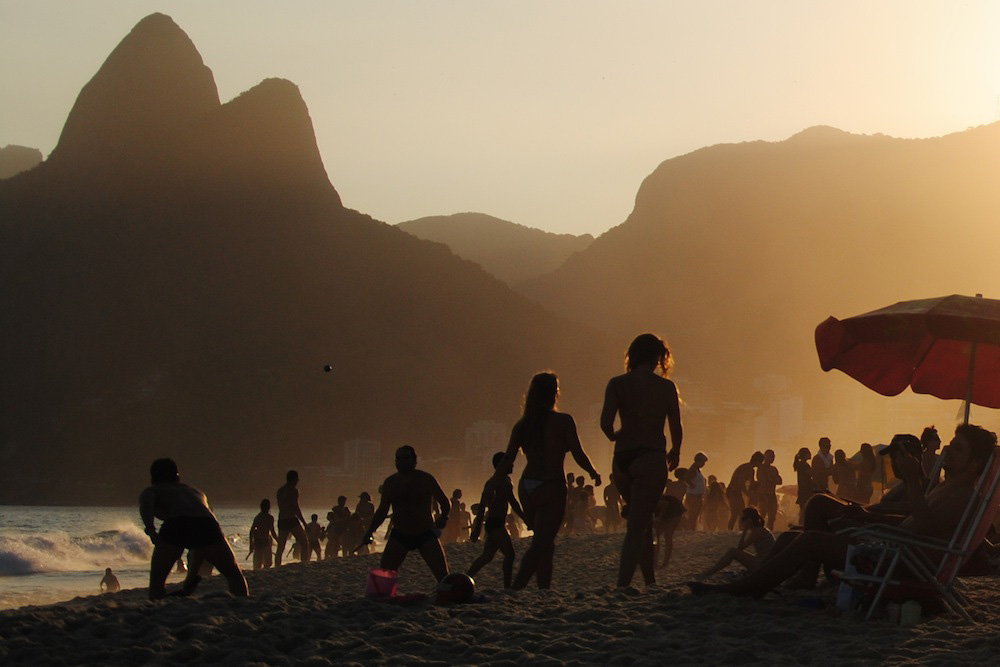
column 948, row 347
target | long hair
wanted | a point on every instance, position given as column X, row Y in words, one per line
column 649, row 348
column 539, row 401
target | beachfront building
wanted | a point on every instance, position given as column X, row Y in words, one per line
column 483, row 439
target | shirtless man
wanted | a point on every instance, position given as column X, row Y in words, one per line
column 612, row 506
column 188, row 523
column 315, row 534
column 290, row 519
column 410, row 493
column 933, row 515
column 262, row 535
column 498, row 495
column 768, row 480
column 340, row 516
column 110, row 582
column 739, row 486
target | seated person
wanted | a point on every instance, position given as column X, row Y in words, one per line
column 827, row 512
column 933, row 515
column 755, row 535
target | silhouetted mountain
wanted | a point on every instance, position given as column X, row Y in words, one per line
column 175, row 276
column 736, row 252
column 511, row 252
column 15, row 159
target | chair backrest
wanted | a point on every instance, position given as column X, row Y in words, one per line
column 975, row 522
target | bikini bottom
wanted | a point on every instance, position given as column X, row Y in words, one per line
column 412, row 542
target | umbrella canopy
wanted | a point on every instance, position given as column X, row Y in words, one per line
column 948, row 347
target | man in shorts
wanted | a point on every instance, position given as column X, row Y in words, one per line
column 290, row 519
column 498, row 496
column 410, row 494
column 188, row 523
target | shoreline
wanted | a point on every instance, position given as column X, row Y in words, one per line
column 316, row 614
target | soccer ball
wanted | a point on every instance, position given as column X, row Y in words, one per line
column 456, row 588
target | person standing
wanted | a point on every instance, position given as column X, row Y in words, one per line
column 410, row 494
column 803, row 480
column 612, row 506
column 545, row 435
column 262, row 536
column 290, row 519
column 768, row 481
column 822, row 466
column 340, row 517
column 740, row 485
column 315, row 533
column 645, row 401
column 694, row 499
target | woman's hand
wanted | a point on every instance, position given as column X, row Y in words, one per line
column 673, row 458
column 596, row 477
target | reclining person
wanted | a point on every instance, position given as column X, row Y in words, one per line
column 934, row 515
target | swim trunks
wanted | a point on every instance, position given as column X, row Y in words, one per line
column 412, row 542
column 288, row 524
column 625, row 458
column 191, row 532
column 492, row 524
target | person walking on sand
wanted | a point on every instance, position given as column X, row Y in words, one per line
column 410, row 494
column 545, row 435
column 188, row 523
column 645, row 401
column 110, row 582
column 740, row 484
column 694, row 496
column 497, row 497
column 262, row 536
column 315, row 534
column 290, row 519
column 768, row 481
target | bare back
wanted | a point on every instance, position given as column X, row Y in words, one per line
column 643, row 401
column 288, row 502
column 545, row 460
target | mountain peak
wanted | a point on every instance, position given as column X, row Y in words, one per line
column 153, row 83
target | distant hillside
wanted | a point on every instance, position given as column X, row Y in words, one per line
column 15, row 159
column 511, row 252
column 736, row 252
column 175, row 276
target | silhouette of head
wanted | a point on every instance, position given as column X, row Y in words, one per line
column 680, row 473
column 930, row 439
column 700, row 459
column 803, row 453
column 265, row 505
column 163, row 471
column 840, row 456
column 497, row 458
column 579, row 480
column 291, row 477
column 107, row 570
column 543, row 391
column 825, row 444
column 365, row 496
column 341, row 500
column 757, row 458
column 314, row 517
column 979, row 443
column 751, row 516
column 768, row 456
column 457, row 493
column 649, row 348
column 406, row 459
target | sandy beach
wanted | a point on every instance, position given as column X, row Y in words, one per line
column 316, row 615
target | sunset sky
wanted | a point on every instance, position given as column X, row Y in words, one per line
column 548, row 114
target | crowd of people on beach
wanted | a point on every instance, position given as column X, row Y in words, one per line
column 641, row 406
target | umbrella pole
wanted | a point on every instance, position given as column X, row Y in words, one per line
column 968, row 390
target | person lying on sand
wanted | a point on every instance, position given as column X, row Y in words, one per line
column 498, row 495
column 410, row 494
column 188, row 523
column 110, row 582
column 755, row 535
column 290, row 519
column 934, row 515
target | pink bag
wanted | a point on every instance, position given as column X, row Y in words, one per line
column 381, row 583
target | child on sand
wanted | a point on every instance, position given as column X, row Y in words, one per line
column 755, row 536
column 498, row 495
column 110, row 582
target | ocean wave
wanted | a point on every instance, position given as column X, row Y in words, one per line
column 32, row 553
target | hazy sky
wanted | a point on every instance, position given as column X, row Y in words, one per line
column 548, row 114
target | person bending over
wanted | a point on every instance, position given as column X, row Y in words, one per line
column 188, row 523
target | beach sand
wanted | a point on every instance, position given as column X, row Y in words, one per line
column 316, row 615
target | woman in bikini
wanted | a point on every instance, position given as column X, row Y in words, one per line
column 644, row 401
column 545, row 436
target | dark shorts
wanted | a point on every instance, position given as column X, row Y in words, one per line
column 191, row 532
column 288, row 524
column 493, row 524
column 412, row 542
